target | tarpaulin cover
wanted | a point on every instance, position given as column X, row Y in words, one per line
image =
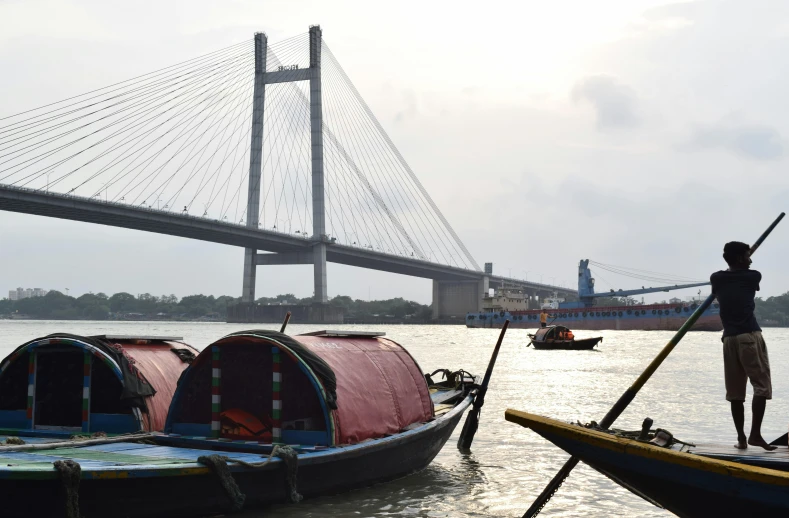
column 548, row 332
column 380, row 387
column 161, row 367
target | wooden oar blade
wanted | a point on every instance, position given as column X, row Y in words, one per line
column 469, row 430
column 472, row 420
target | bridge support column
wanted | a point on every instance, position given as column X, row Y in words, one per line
column 453, row 299
column 255, row 164
column 316, row 139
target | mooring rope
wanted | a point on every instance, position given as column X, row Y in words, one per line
column 289, row 456
column 218, row 465
column 291, row 460
column 70, row 472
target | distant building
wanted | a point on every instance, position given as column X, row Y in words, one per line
column 26, row 293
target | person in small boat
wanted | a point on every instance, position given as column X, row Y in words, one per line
column 744, row 351
column 543, row 318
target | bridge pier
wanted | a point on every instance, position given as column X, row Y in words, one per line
column 316, row 139
column 255, row 164
column 456, row 298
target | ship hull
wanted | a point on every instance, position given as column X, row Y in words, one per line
column 634, row 318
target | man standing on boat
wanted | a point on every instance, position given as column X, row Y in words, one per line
column 543, row 318
column 744, row 351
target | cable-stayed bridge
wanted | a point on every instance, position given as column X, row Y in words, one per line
column 266, row 147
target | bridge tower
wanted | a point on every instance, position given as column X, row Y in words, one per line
column 319, row 238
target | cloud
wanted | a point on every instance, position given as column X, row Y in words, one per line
column 753, row 141
column 411, row 109
column 614, row 103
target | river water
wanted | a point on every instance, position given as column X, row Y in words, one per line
column 510, row 465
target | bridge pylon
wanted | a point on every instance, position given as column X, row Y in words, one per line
column 319, row 236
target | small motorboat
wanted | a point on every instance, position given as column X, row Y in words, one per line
column 259, row 417
column 560, row 337
column 690, row 480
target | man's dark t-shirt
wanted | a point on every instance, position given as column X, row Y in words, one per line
column 735, row 291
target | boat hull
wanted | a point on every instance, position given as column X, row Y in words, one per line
column 633, row 318
column 195, row 491
column 687, row 485
column 583, row 344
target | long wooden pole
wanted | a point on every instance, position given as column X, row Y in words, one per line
column 631, row 392
column 132, row 437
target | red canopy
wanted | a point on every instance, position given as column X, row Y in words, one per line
column 380, row 387
column 317, row 389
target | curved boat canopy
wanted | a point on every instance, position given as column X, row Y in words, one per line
column 550, row 332
column 64, row 383
column 317, row 389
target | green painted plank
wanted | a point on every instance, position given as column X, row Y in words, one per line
column 114, row 457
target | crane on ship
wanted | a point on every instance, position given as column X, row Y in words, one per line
column 586, row 282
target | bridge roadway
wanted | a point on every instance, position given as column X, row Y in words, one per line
column 286, row 248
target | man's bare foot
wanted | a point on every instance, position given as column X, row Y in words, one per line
column 761, row 442
column 741, row 444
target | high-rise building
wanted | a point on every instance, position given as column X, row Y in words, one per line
column 26, row 293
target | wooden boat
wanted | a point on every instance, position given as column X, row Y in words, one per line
column 555, row 337
column 688, row 480
column 64, row 384
column 258, row 418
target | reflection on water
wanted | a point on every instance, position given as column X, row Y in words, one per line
column 510, row 465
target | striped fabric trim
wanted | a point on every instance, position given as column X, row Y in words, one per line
column 216, row 396
column 276, row 398
column 31, row 387
column 86, row 375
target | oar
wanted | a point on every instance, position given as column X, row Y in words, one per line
column 472, row 420
column 285, row 322
column 630, row 393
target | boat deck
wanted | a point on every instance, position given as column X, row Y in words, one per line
column 110, row 457
column 777, row 459
column 123, row 459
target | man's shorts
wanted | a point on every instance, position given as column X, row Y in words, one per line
column 744, row 358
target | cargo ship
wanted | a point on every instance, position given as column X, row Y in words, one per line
column 584, row 314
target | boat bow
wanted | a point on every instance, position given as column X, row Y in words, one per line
column 685, row 484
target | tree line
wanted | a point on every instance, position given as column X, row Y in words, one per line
column 772, row 311
column 99, row 306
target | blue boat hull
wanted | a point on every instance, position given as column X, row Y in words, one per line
column 663, row 317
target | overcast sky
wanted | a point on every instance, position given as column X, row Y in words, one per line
column 637, row 133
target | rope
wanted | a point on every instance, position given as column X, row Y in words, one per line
column 218, row 465
column 70, row 473
column 634, row 435
column 291, row 459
